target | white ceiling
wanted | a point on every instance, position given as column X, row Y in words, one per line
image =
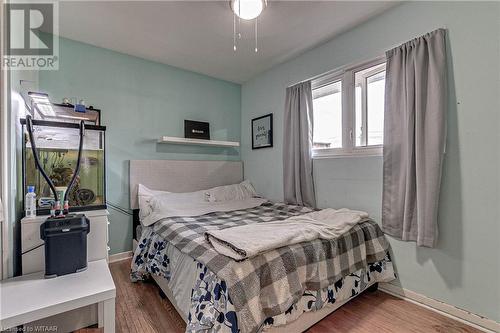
column 198, row 36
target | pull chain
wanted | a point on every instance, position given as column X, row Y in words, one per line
column 239, row 19
column 256, row 46
column 234, row 32
column 237, row 29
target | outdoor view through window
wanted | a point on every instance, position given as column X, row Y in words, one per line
column 327, row 116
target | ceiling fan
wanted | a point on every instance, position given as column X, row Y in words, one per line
column 246, row 10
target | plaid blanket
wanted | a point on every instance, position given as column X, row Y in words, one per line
column 269, row 284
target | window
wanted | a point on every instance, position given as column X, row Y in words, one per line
column 348, row 108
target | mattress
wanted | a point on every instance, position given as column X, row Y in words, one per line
column 189, row 293
column 182, row 278
column 203, row 299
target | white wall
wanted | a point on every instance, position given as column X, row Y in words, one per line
column 464, row 269
column 21, row 82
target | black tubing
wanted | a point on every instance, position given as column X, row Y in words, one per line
column 29, row 127
column 77, row 169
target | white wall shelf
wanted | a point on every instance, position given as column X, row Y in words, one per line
column 197, row 142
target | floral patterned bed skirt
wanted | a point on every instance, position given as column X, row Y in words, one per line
column 211, row 308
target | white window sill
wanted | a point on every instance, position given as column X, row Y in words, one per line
column 373, row 151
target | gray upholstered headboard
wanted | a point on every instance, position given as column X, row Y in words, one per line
column 181, row 176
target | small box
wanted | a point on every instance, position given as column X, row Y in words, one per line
column 80, row 108
column 196, row 130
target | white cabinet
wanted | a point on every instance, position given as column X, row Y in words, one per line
column 32, row 249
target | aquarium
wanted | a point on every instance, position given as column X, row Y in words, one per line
column 57, row 146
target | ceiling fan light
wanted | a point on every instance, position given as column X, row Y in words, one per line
column 247, row 9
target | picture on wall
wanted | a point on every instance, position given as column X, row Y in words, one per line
column 262, row 132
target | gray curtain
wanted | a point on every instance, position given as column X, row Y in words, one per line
column 297, row 143
column 414, row 138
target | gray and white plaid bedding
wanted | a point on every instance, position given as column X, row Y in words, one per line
column 268, row 284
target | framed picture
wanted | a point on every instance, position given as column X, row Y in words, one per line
column 262, row 132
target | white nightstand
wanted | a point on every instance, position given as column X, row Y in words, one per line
column 31, row 297
column 33, row 257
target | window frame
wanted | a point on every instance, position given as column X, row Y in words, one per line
column 347, row 77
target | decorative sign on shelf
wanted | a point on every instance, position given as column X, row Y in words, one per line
column 262, row 132
column 196, row 130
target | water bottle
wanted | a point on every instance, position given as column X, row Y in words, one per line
column 30, row 202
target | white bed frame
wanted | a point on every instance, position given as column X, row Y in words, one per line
column 188, row 176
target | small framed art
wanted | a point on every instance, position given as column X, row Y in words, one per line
column 262, row 132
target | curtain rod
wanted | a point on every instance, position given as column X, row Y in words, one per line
column 341, row 69
column 361, row 63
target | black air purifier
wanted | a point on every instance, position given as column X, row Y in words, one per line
column 65, row 244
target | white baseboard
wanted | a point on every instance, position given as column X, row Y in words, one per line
column 466, row 317
column 120, row 256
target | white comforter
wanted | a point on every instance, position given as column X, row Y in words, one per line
column 250, row 240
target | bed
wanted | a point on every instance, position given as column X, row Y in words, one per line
column 209, row 298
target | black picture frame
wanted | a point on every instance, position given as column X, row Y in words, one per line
column 263, row 119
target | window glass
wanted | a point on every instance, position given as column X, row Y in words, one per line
column 375, row 109
column 327, row 115
column 369, row 106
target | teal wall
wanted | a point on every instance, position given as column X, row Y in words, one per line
column 141, row 101
column 464, row 269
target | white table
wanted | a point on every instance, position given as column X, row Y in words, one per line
column 32, row 297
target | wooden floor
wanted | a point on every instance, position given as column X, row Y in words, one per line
column 140, row 309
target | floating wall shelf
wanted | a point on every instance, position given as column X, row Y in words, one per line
column 197, row 142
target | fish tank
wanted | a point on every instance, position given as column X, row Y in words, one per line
column 57, row 146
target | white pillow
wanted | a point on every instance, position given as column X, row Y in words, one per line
column 153, row 203
column 241, row 191
column 144, row 195
column 150, row 200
